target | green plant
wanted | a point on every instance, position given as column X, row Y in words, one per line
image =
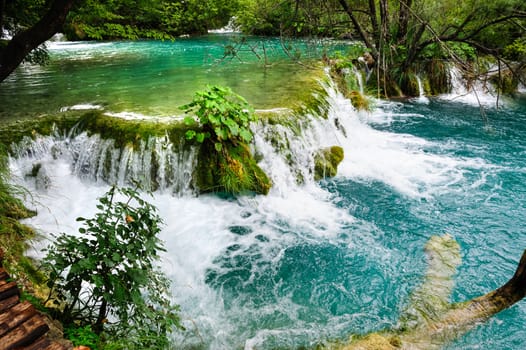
column 221, row 124
column 222, row 115
column 82, row 335
column 106, row 276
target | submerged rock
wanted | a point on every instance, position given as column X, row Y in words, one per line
column 430, row 320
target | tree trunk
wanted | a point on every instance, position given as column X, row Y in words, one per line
column 26, row 41
column 374, row 19
column 403, row 20
column 359, row 29
column 103, row 312
column 384, row 20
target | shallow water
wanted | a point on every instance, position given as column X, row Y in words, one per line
column 154, row 78
column 326, row 259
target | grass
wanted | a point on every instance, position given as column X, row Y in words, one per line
column 14, row 236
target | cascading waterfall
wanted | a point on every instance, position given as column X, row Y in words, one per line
column 155, row 164
column 359, row 79
column 475, row 92
column 421, row 94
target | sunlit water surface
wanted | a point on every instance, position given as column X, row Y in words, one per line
column 327, row 259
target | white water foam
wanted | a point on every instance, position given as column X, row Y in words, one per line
column 197, row 232
column 478, row 93
column 230, row 28
column 402, row 161
column 82, row 107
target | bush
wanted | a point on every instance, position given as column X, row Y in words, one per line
column 106, row 277
column 222, row 115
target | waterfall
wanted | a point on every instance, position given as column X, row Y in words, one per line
column 477, row 92
column 236, row 263
column 155, row 164
column 359, row 79
column 231, row 27
column 421, row 94
column 285, row 151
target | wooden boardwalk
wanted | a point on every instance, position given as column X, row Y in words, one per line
column 22, row 327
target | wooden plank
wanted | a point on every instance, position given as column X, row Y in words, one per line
column 8, row 289
column 25, row 334
column 43, row 343
column 8, row 303
column 40, row 344
column 15, row 316
column 55, row 346
column 3, row 274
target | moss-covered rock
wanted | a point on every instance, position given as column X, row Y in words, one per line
column 437, row 75
column 507, row 83
column 326, row 162
column 131, row 132
column 13, row 234
column 233, row 170
column 44, row 125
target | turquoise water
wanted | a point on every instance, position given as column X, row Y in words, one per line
column 483, row 208
column 322, row 260
column 153, row 77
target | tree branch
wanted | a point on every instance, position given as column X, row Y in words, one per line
column 26, row 41
column 358, row 27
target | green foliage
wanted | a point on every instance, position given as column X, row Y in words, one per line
column 222, row 115
column 222, row 127
column 460, row 50
column 20, row 14
column 517, row 50
column 159, row 19
column 291, row 18
column 82, row 335
column 106, row 276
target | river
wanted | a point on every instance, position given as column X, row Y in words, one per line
column 315, row 261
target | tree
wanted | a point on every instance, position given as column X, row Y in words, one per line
column 32, row 24
column 407, row 31
column 155, row 19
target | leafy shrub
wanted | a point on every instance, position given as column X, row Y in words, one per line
column 222, row 127
column 517, row 50
column 82, row 335
column 106, row 277
column 223, row 116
